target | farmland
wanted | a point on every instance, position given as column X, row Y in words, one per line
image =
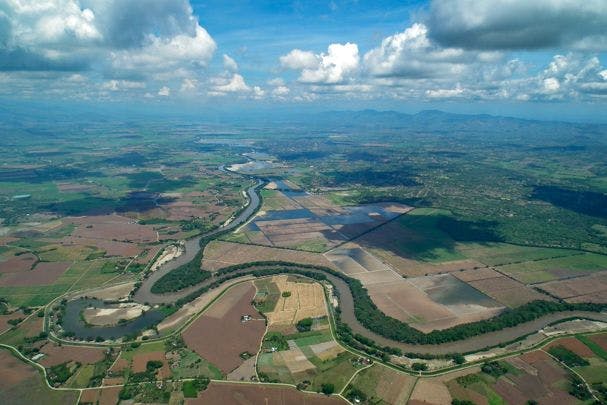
column 422, row 255
column 221, row 336
column 234, row 394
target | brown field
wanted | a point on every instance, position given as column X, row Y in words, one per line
column 192, row 308
column 592, row 288
column 119, row 365
column 18, row 264
column 390, row 386
column 406, row 299
column 245, row 372
column 240, row 394
column 219, row 335
column 4, row 325
column 60, row 354
column 220, row 254
column 20, row 384
column 430, row 391
column 13, row 370
column 505, row 290
column 103, row 396
column 111, row 248
column 574, row 345
column 141, row 360
column 73, row 187
column 477, row 274
column 600, row 339
column 5, row 240
column 542, row 379
column 43, row 274
column 112, row 227
column 307, row 300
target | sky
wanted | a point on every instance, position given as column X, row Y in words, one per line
column 540, row 58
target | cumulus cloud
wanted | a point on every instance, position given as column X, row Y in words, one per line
column 519, row 24
column 118, row 40
column 230, row 84
column 164, row 91
column 335, row 66
column 412, row 54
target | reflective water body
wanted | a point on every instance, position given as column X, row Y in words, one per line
column 73, row 322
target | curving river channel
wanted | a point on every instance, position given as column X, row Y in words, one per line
column 144, row 295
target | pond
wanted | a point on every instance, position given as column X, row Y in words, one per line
column 73, row 322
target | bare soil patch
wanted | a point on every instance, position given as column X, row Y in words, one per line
column 507, row 291
column 427, row 305
column 44, row 273
column 593, row 286
column 430, row 391
column 111, row 247
column 60, row 354
column 245, row 372
column 239, row 394
column 220, row 254
column 220, row 336
column 112, row 227
column 4, row 325
column 600, row 339
column 188, row 310
column 574, row 345
column 18, row 264
column 13, row 370
column 140, row 362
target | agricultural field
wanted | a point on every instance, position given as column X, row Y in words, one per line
column 236, row 394
column 220, row 254
column 221, row 335
column 380, row 385
column 591, row 288
column 297, row 299
column 21, row 383
column 301, row 221
column 299, row 347
column 541, row 375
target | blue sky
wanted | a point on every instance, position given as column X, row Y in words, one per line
column 544, row 58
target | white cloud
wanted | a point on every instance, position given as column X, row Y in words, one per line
column 124, row 41
column 258, row 92
column 164, row 91
column 115, row 85
column 339, row 64
column 412, row 54
column 445, row 93
column 281, row 91
column 229, row 63
column 165, row 54
column 188, row 85
column 277, row 81
column 231, row 84
column 298, row 59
